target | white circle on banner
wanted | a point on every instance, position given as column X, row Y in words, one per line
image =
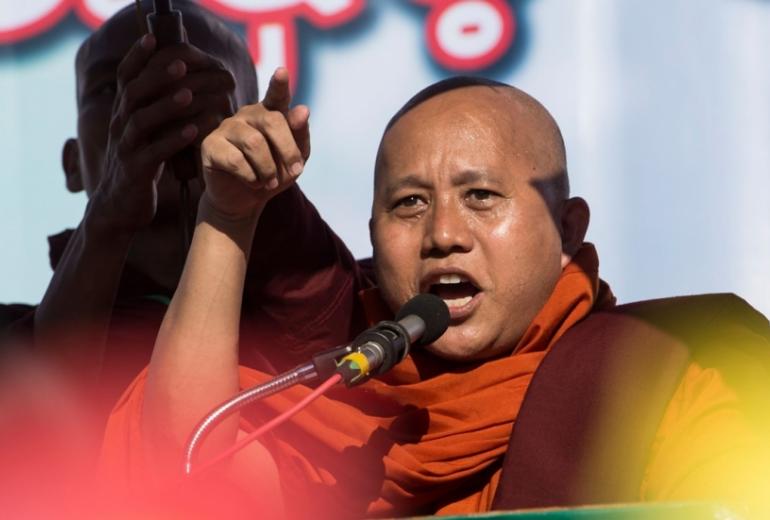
column 469, row 29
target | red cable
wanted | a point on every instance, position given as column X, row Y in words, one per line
column 315, row 394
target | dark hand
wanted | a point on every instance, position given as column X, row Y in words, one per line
column 166, row 100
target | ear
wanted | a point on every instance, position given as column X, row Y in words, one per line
column 575, row 216
column 70, row 161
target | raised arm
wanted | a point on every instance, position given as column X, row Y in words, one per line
column 150, row 109
column 250, row 158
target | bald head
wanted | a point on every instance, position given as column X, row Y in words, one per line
column 528, row 128
column 470, row 203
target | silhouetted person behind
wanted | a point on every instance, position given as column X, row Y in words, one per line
column 114, row 275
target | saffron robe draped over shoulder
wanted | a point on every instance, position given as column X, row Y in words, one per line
column 429, row 437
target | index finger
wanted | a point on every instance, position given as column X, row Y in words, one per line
column 136, row 58
column 278, row 95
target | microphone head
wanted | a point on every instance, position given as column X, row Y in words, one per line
column 432, row 310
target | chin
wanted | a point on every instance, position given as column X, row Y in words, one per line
column 455, row 349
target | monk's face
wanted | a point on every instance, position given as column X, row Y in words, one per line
column 456, row 213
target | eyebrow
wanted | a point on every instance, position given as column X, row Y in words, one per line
column 463, row 178
column 473, row 176
column 408, row 181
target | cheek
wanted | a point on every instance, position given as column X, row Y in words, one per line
column 504, row 233
column 523, row 250
column 395, row 243
column 397, row 257
column 527, row 228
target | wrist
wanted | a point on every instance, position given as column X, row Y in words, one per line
column 97, row 229
column 221, row 218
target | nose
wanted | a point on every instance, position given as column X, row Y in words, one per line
column 446, row 231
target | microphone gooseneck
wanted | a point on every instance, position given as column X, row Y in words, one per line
column 422, row 320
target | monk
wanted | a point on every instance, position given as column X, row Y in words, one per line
column 471, row 202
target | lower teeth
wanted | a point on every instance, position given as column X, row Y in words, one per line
column 458, row 302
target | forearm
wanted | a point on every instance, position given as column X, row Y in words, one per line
column 72, row 321
column 195, row 361
column 250, row 158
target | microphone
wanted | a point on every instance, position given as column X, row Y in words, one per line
column 421, row 321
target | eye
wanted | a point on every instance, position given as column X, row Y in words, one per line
column 408, row 202
column 100, row 90
column 480, row 194
column 408, row 206
column 480, row 198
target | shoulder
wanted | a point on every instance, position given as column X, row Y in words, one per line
column 703, row 312
column 11, row 312
column 719, row 331
column 16, row 322
column 694, row 360
column 711, row 442
column 723, row 335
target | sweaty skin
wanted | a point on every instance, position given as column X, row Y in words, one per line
column 445, row 209
column 469, row 203
column 470, row 187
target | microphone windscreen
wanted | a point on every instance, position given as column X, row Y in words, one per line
column 432, row 310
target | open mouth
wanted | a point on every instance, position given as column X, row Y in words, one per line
column 455, row 289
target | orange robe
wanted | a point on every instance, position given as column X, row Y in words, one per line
column 429, row 436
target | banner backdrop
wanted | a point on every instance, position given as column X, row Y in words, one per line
column 664, row 106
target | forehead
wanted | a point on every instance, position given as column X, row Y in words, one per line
column 500, row 125
column 461, row 113
column 108, row 44
column 471, row 123
column 103, row 50
column 473, row 104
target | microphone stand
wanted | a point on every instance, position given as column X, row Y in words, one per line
column 372, row 352
column 323, row 366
